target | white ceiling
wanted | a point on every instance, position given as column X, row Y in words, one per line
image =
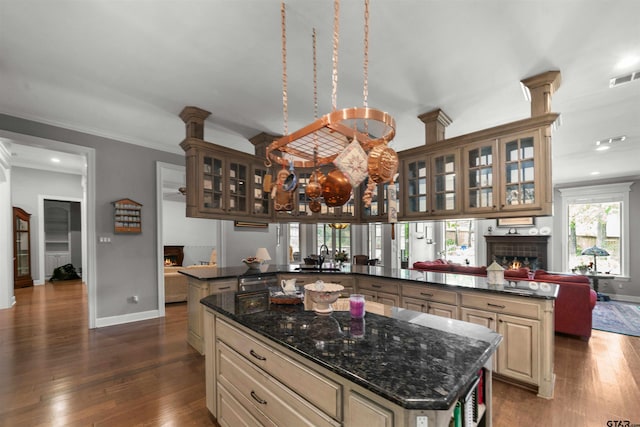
column 126, row 69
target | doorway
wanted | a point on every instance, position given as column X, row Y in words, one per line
column 62, row 234
column 87, row 157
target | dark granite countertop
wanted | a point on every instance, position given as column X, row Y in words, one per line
column 446, row 280
column 415, row 360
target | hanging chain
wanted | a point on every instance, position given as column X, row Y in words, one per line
column 336, row 32
column 365, row 89
column 315, row 94
column 285, row 111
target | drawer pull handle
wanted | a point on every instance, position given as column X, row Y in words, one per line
column 256, row 355
column 495, row 305
column 224, row 287
column 257, row 399
column 376, row 286
column 426, row 294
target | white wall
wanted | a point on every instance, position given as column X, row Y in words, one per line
column 242, row 242
column 197, row 235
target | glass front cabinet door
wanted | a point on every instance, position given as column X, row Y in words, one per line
column 416, row 181
column 21, row 249
column 446, row 183
column 521, row 178
column 480, row 183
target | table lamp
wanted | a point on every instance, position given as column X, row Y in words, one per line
column 263, row 254
column 596, row 252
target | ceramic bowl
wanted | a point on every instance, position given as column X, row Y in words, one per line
column 323, row 295
column 253, row 263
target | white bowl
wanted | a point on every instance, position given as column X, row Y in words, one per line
column 253, row 264
column 323, row 295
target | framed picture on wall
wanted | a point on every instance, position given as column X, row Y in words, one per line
column 526, row 221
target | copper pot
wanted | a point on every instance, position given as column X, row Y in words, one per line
column 382, row 164
column 315, row 206
column 314, row 187
column 336, row 189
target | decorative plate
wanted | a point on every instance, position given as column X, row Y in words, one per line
column 533, row 231
column 545, row 231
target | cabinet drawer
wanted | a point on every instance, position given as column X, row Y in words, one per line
column 224, row 285
column 231, row 413
column 261, row 394
column 320, row 391
column 430, row 293
column 502, row 305
column 379, row 286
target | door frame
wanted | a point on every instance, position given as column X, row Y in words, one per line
column 88, row 213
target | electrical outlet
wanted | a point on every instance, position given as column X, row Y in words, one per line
column 422, row 421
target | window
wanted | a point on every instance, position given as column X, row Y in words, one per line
column 375, row 241
column 336, row 238
column 596, row 216
column 460, row 241
column 294, row 242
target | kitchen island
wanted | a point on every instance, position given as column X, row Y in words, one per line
column 521, row 311
column 282, row 365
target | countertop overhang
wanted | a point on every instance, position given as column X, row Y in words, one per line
column 415, row 360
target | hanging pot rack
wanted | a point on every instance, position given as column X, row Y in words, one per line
column 321, row 141
column 332, row 133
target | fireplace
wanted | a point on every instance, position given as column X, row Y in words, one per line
column 173, row 255
column 515, row 251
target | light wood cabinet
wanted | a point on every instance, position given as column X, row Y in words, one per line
column 432, row 300
column 199, row 289
column 364, row 412
column 524, row 354
column 383, row 291
column 252, row 381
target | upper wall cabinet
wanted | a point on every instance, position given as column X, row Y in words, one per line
column 499, row 172
column 224, row 183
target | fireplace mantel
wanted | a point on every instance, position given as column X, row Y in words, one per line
column 517, row 245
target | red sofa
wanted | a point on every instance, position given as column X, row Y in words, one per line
column 573, row 306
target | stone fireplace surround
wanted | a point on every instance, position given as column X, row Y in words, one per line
column 526, row 249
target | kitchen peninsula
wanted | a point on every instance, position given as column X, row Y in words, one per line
column 521, row 311
column 287, row 366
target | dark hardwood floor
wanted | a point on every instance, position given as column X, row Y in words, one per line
column 54, row 371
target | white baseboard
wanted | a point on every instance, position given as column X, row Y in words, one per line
column 126, row 318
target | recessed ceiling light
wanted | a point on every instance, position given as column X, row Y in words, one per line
column 595, row 173
column 603, row 147
column 55, row 160
column 608, row 141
